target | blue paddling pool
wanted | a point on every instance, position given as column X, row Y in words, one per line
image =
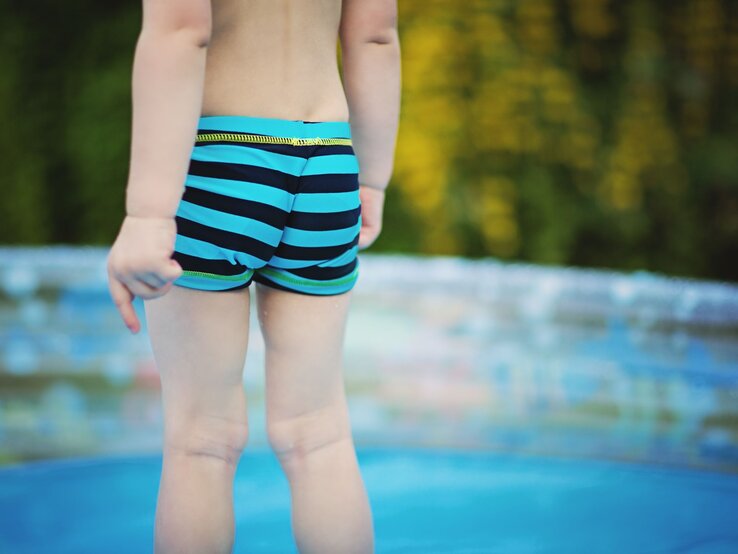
column 424, row 501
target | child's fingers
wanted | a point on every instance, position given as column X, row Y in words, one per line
column 123, row 299
column 170, row 271
column 151, row 278
column 367, row 236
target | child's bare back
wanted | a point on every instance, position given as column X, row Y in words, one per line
column 275, row 58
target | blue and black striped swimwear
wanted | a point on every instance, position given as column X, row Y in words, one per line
column 270, row 200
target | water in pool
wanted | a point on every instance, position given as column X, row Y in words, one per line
column 424, row 501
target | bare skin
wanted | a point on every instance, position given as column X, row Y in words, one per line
column 267, row 58
column 275, row 59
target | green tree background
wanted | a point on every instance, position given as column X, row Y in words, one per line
column 598, row 133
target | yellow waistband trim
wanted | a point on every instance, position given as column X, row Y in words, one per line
column 246, row 137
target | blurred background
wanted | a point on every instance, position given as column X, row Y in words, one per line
column 557, row 269
column 596, row 133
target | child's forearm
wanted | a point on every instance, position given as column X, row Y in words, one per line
column 168, row 76
column 372, row 83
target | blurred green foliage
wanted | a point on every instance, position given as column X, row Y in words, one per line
column 599, row 133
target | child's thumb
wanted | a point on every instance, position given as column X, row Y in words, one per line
column 174, row 270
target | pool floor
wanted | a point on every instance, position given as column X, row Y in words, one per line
column 423, row 500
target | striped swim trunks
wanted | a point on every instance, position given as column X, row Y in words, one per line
column 270, row 200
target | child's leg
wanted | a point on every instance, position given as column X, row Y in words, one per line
column 199, row 339
column 308, row 420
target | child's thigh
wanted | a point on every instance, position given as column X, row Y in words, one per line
column 304, row 337
column 199, row 341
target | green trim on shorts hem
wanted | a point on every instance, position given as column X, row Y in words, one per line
column 188, row 273
column 300, row 281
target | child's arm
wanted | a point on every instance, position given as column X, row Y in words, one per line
column 168, row 75
column 370, row 57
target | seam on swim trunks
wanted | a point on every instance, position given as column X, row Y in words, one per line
column 247, row 137
column 340, row 281
column 216, row 276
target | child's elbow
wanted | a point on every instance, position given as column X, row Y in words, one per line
column 368, row 22
column 190, row 18
column 202, row 36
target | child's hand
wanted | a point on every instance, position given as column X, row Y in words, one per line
column 140, row 263
column 372, row 208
